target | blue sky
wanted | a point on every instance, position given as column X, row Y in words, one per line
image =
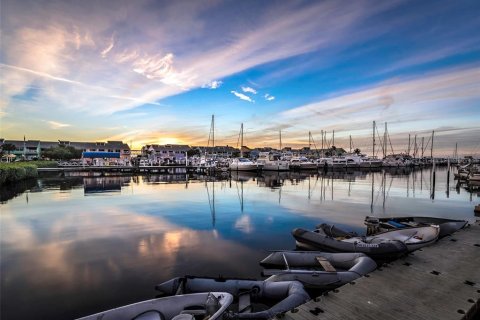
column 155, row 71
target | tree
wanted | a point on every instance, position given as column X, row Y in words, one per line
column 62, row 153
column 8, row 147
column 357, row 151
column 193, row 152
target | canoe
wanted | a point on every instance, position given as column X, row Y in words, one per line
column 317, row 270
column 376, row 225
column 380, row 249
column 288, row 294
column 181, row 307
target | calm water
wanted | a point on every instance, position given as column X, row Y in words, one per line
column 74, row 246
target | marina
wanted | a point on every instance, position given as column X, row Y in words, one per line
column 99, row 240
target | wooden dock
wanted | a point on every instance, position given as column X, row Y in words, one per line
column 112, row 170
column 438, row 282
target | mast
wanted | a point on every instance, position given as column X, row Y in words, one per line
column 350, row 143
column 422, row 147
column 323, row 152
column 280, row 135
column 373, row 144
column 333, row 138
column 408, row 152
column 213, row 131
column 241, row 141
column 385, row 141
column 415, row 147
column 309, row 139
column 431, row 149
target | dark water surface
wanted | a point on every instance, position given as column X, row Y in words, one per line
column 75, row 246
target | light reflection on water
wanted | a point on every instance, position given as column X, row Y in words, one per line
column 75, row 246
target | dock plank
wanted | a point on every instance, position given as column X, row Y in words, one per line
column 439, row 282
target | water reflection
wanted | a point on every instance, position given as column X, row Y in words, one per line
column 104, row 184
column 66, row 254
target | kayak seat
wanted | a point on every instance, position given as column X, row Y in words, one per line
column 149, row 315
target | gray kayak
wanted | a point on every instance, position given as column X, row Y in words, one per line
column 317, row 270
column 379, row 250
column 182, row 307
column 377, row 225
column 289, row 294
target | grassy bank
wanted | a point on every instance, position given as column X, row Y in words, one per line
column 17, row 171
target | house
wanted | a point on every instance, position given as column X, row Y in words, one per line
column 165, row 154
column 218, row 151
column 33, row 149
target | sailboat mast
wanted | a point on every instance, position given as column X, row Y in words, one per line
column 350, row 143
column 373, row 142
column 408, row 152
column 213, row 131
column 280, row 134
column 385, row 141
column 323, row 152
column 241, row 141
column 431, row 149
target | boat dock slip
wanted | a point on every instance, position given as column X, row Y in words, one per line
column 441, row 281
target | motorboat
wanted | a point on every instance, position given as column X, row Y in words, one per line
column 272, row 162
column 377, row 225
column 302, row 163
column 179, row 307
column 243, row 164
column 317, row 270
column 285, row 294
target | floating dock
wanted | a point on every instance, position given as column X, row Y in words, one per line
column 437, row 282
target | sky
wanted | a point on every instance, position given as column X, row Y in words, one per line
column 150, row 71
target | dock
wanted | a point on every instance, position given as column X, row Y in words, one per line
column 114, row 170
column 441, row 281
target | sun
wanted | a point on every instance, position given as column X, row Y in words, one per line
column 169, row 140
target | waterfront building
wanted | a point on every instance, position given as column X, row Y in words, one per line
column 165, row 154
column 33, row 149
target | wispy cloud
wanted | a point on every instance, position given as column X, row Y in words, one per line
column 268, row 97
column 108, row 48
column 215, row 84
column 164, row 56
column 249, row 89
column 57, row 125
column 242, row 96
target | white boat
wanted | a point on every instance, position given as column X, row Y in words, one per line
column 243, row 164
column 302, row 163
column 397, row 160
column 272, row 162
column 211, row 305
column 342, row 162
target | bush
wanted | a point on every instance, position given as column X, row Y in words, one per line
column 13, row 172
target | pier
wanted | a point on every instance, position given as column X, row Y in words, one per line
column 120, row 170
column 437, row 282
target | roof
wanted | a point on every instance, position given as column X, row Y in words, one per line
column 100, row 154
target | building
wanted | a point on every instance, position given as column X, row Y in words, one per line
column 165, row 154
column 218, row 151
column 33, row 149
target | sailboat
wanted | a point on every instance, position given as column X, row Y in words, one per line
column 272, row 161
column 242, row 164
